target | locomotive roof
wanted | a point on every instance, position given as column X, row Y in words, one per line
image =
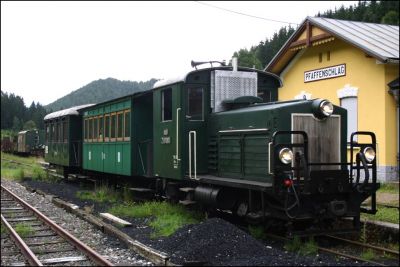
column 66, row 112
column 182, row 78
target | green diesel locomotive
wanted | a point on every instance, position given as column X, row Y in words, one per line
column 218, row 137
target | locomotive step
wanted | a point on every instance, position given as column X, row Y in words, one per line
column 186, row 189
column 141, row 189
column 187, row 202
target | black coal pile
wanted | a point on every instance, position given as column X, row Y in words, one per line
column 212, row 242
column 217, row 242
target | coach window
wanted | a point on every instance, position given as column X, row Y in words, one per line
column 113, row 126
column 56, row 132
column 52, row 132
column 166, row 104
column 85, row 129
column 107, row 128
column 96, row 129
column 120, row 125
column 61, row 131
column 90, row 129
column 101, row 128
column 65, row 130
column 195, row 104
column 127, row 125
column 47, row 133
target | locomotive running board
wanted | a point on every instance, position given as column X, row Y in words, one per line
column 260, row 186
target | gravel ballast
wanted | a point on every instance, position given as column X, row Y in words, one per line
column 116, row 252
column 211, row 242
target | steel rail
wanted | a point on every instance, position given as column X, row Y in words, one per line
column 332, row 251
column 93, row 255
column 364, row 245
column 17, row 162
column 25, row 250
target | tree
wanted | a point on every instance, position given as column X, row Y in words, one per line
column 29, row 125
column 16, row 124
column 247, row 58
column 391, row 17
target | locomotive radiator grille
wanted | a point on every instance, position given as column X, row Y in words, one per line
column 228, row 85
column 323, row 139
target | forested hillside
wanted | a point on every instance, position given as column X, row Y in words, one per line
column 99, row 91
column 260, row 55
column 15, row 115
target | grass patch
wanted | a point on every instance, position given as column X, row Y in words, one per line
column 101, row 194
column 23, row 229
column 3, row 229
column 13, row 174
column 302, row 248
column 26, row 160
column 167, row 224
column 166, row 217
column 257, row 232
column 293, row 245
column 383, row 214
column 15, row 171
column 367, row 254
column 39, row 174
column 389, row 188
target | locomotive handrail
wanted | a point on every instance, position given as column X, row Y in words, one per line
column 177, row 136
column 360, row 158
column 190, row 155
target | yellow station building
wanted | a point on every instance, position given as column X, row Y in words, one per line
column 355, row 65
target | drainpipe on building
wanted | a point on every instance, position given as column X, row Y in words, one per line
column 395, row 93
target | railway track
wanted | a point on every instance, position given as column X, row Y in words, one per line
column 39, row 238
column 349, row 246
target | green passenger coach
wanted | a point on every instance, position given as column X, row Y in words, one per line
column 117, row 136
column 63, row 135
column 107, row 137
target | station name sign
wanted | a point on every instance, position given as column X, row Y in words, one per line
column 325, row 73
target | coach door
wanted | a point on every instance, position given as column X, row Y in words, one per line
column 195, row 130
column 168, row 132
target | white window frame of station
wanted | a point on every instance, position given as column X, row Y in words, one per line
column 348, row 96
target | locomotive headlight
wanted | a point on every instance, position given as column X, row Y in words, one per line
column 322, row 108
column 326, row 108
column 369, row 154
column 286, row 155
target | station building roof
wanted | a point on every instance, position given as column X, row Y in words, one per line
column 377, row 40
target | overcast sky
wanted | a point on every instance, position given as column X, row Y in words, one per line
column 49, row 49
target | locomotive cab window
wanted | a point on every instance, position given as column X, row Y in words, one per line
column 195, row 103
column 166, row 104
